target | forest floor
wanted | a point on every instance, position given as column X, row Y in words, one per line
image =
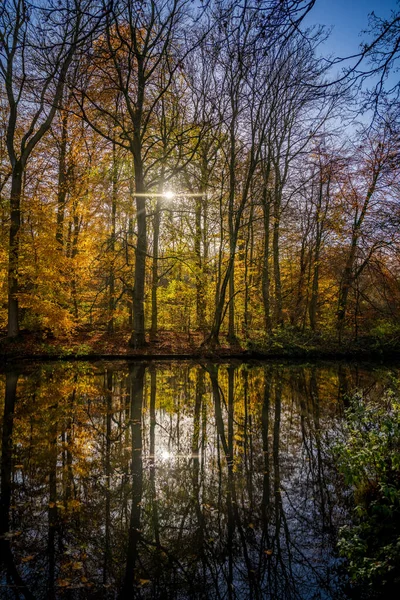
column 168, row 344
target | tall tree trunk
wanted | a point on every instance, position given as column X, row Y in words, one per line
column 62, row 179
column 138, row 337
column 276, row 260
column 74, row 252
column 111, row 297
column 298, row 310
column 266, row 206
column 312, row 311
column 154, row 270
column 319, row 224
column 231, row 224
column 344, row 289
column 128, row 246
column 154, row 266
column 14, row 241
column 200, row 308
column 247, row 278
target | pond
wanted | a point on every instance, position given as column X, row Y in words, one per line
column 173, row 480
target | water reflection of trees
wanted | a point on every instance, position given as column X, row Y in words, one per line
column 169, row 481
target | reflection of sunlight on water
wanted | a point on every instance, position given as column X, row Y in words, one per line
column 165, row 455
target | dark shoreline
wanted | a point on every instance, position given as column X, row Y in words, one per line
column 169, row 345
column 314, row 355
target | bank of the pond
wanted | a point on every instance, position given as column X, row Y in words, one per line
column 171, row 345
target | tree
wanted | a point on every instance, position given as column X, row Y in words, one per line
column 37, row 47
column 252, row 38
column 364, row 188
column 138, row 59
column 376, row 61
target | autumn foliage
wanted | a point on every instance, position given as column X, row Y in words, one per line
column 284, row 218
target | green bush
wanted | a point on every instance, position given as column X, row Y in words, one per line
column 368, row 457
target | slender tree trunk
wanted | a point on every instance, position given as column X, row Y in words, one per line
column 312, row 311
column 74, row 252
column 111, row 298
column 248, row 251
column 138, row 337
column 344, row 289
column 14, row 241
column 232, row 236
column 200, row 308
column 299, row 305
column 231, row 312
column 206, row 248
column 276, row 260
column 266, row 205
column 62, row 180
column 154, row 270
column 128, row 246
column 202, row 243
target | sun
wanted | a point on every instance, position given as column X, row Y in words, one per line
column 169, row 195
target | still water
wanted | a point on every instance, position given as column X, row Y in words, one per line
column 173, row 480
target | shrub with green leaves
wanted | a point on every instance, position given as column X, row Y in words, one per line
column 369, row 459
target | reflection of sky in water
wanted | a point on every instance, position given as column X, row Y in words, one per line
column 210, row 493
column 302, row 543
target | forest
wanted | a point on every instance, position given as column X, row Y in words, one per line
column 197, row 200
column 176, row 166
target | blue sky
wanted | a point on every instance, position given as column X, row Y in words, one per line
column 348, row 18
